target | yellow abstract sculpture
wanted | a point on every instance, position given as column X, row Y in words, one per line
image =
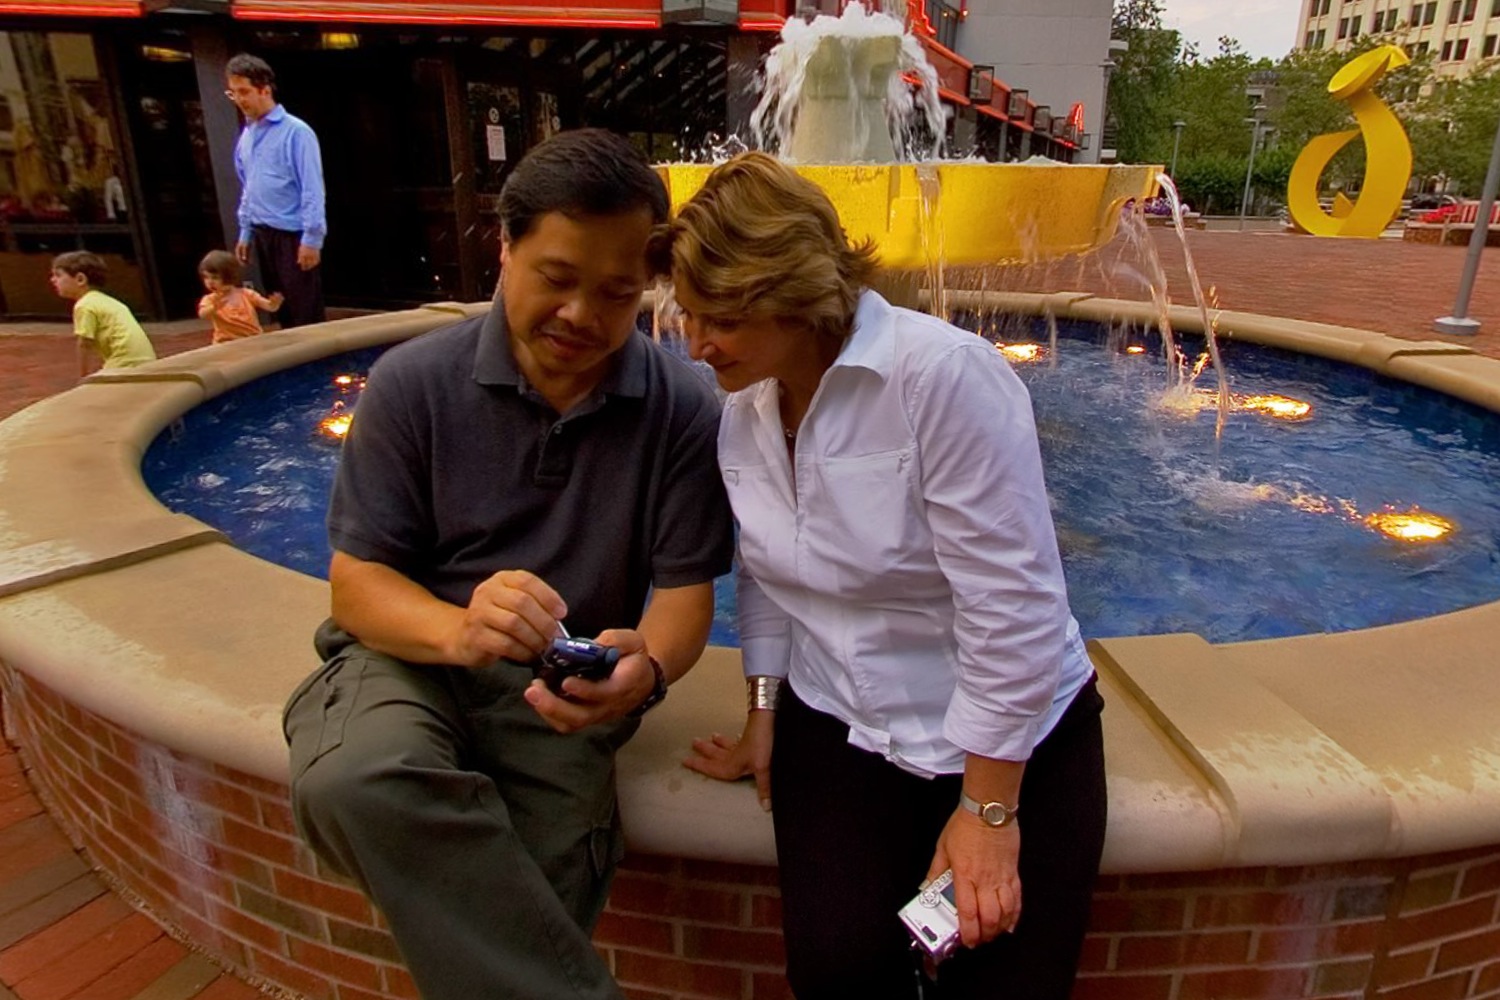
column 1387, row 155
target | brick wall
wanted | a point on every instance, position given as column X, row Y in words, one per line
column 211, row 852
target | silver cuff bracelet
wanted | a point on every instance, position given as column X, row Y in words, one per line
column 763, row 692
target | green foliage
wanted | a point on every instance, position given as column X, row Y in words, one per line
column 1451, row 123
column 1212, row 183
column 1453, row 128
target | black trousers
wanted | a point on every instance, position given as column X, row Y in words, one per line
column 854, row 837
column 275, row 253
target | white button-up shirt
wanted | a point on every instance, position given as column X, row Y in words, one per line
column 906, row 577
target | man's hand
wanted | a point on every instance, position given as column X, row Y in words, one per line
column 986, row 885
column 242, row 252
column 513, row 614
column 726, row 758
column 588, row 702
column 308, row 257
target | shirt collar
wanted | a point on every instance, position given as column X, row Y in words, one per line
column 872, row 344
column 495, row 362
column 275, row 115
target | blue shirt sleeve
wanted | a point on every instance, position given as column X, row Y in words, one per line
column 309, row 160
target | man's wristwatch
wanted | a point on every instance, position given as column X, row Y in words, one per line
column 991, row 813
column 658, row 691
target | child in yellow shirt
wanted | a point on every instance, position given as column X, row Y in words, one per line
column 103, row 324
column 231, row 307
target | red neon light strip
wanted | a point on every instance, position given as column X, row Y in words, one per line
column 499, row 19
column 123, row 8
column 598, row 15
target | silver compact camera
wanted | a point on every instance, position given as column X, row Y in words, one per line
column 932, row 919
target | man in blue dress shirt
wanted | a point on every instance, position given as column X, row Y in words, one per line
column 281, row 211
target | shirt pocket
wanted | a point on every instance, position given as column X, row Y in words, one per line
column 869, row 520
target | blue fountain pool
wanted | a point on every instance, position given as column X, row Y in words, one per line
column 1258, row 534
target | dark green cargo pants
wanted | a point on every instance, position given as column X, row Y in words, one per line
column 487, row 839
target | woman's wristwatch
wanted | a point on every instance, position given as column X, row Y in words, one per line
column 989, row 813
column 763, row 692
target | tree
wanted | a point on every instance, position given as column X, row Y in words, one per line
column 1453, row 128
column 1142, row 82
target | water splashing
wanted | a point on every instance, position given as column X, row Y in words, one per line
column 838, row 90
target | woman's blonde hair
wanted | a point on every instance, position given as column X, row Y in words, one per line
column 760, row 240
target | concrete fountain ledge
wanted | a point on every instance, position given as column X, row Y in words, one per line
column 1315, row 816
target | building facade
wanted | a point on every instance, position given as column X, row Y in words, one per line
column 1458, row 33
column 116, row 136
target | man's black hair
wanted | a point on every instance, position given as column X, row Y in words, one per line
column 252, row 68
column 587, row 171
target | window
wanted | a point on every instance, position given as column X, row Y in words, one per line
column 1354, row 26
column 1308, row 43
column 1343, row 28
column 1454, row 9
column 1469, row 9
column 1416, row 14
column 1462, row 52
column 1489, row 45
column 1429, row 13
column 1322, row 35
column 1390, row 19
column 1324, row 8
column 1447, row 51
column 1494, row 8
column 1423, row 48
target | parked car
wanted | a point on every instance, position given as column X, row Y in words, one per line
column 1423, row 203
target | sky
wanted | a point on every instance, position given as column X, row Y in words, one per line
column 1263, row 27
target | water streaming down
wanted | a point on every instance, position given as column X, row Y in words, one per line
column 835, row 91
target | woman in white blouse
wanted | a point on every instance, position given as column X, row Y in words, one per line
column 907, row 641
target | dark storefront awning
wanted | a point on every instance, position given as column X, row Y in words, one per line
column 75, row 8
column 750, row 14
column 591, row 13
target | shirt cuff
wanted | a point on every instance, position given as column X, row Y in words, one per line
column 244, row 236
column 979, row 730
column 766, row 656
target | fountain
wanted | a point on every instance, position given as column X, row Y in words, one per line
column 837, row 105
column 1293, row 817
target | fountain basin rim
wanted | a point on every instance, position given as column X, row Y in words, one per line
column 1270, row 752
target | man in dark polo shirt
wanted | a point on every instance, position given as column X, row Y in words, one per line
column 542, row 464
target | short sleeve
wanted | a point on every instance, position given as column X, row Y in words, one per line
column 694, row 540
column 85, row 322
column 381, row 509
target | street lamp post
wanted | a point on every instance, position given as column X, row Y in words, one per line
column 1255, row 129
column 1177, row 128
column 1459, row 322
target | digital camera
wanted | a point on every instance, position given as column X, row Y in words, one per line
column 932, row 919
column 575, row 658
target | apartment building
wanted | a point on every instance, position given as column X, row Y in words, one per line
column 1459, row 33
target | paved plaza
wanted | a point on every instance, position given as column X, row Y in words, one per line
column 1388, row 286
column 64, row 934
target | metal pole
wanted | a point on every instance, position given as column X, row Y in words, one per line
column 1249, row 172
column 1459, row 322
column 1177, row 128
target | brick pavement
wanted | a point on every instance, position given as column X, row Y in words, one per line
column 63, row 935
column 1388, row 286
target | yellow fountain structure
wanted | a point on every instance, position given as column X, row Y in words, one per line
column 844, row 74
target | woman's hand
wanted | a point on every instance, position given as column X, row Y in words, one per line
column 986, row 884
column 725, row 758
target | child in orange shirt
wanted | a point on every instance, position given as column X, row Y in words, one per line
column 231, row 307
